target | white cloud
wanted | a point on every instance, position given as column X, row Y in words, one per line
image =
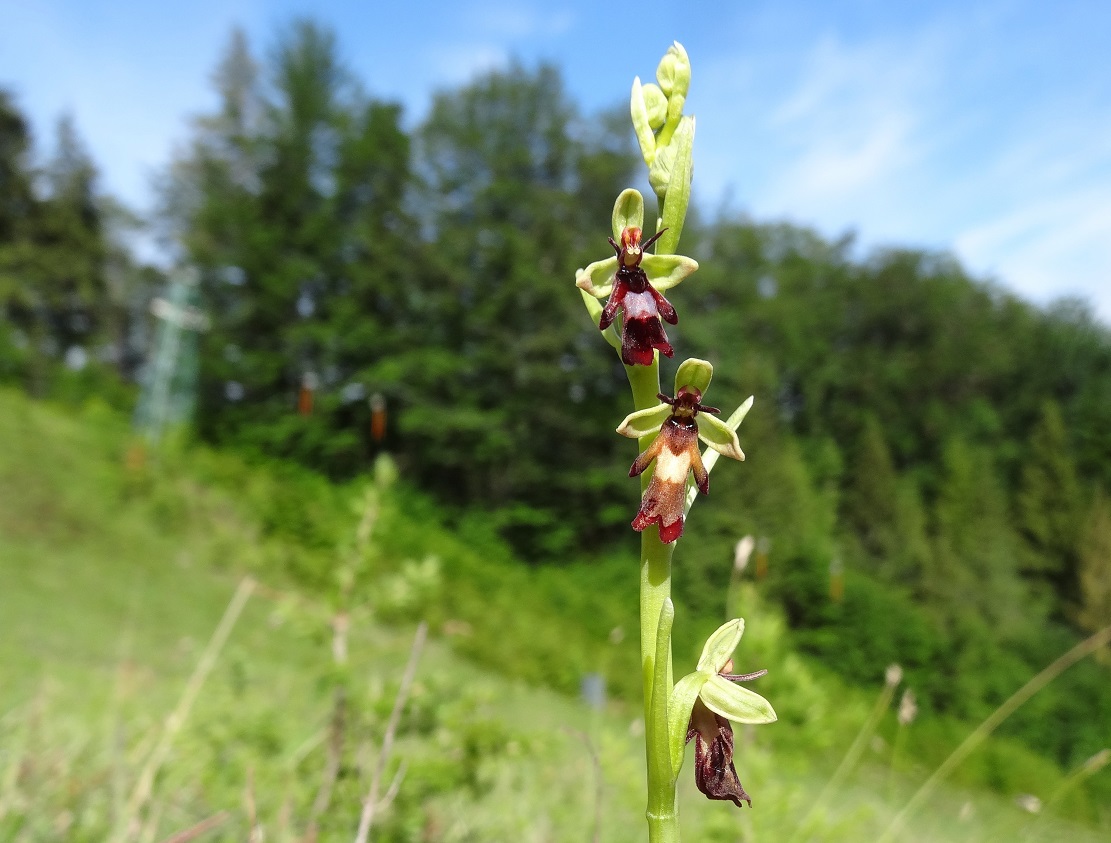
column 453, row 64
column 917, row 139
column 515, row 21
column 854, row 126
column 1050, row 248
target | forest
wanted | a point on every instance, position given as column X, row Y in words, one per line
column 929, row 455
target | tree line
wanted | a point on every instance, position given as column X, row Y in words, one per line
column 929, row 455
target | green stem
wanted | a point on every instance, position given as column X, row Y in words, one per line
column 655, row 590
column 663, row 828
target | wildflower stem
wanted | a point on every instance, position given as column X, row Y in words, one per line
column 371, row 802
column 655, row 592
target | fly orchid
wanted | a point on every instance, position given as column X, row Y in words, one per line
column 644, row 306
column 681, row 421
column 634, row 281
column 631, row 283
column 700, row 708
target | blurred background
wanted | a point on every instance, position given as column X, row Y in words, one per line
column 289, row 321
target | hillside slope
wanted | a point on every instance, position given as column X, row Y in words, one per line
column 116, row 570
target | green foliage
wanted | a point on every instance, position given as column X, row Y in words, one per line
column 68, row 287
column 1094, row 610
column 1049, row 501
column 307, row 208
column 947, row 443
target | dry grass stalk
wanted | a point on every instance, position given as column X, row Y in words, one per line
column 981, row 732
column 180, row 714
column 193, row 832
column 371, row 802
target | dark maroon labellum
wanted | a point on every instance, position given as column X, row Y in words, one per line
column 643, row 306
column 676, row 454
column 714, row 773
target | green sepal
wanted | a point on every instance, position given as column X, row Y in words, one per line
column 679, row 709
column 594, row 308
column 696, row 373
column 645, row 422
column 719, row 647
column 628, row 212
column 638, row 110
column 710, row 457
column 736, row 702
column 666, row 270
column 719, row 436
column 677, row 192
column 597, row 278
column 656, row 104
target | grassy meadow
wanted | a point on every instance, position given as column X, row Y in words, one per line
column 116, row 568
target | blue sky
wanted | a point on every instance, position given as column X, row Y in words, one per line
column 983, row 128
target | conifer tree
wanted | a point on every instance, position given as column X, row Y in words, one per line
column 1094, row 574
column 974, row 582
column 870, row 500
column 15, row 178
column 16, row 207
column 1049, row 502
column 71, row 239
column 511, row 183
column 291, row 201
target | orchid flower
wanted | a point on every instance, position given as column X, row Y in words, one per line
column 681, row 422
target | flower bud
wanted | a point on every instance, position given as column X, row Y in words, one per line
column 908, row 708
column 659, row 172
column 893, row 675
column 642, row 124
column 655, row 104
column 674, row 72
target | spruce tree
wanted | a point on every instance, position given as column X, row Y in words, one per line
column 1093, row 611
column 1049, row 504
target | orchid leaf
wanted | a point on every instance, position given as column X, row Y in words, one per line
column 678, row 191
